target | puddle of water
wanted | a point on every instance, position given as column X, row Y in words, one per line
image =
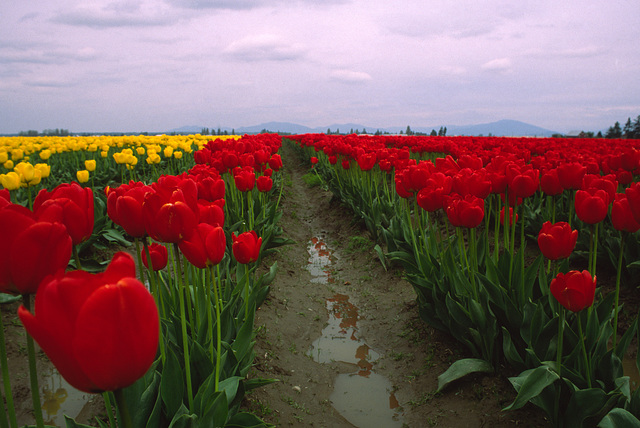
column 339, row 341
column 320, row 260
column 366, row 401
column 58, row 398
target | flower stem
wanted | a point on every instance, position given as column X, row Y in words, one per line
column 33, row 372
column 107, row 405
column 618, row 274
column 584, row 353
column 125, row 416
column 183, row 321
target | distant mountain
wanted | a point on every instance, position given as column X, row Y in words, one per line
column 284, row 127
column 501, row 128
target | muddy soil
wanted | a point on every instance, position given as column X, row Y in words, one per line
column 344, row 339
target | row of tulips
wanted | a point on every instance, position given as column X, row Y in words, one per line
column 172, row 345
column 457, row 214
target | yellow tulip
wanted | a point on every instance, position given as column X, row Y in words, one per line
column 45, row 170
column 168, row 151
column 140, row 150
column 8, row 164
column 17, row 154
column 104, row 154
column 29, row 175
column 83, row 176
column 45, row 154
column 10, row 180
column 177, row 154
column 120, row 158
column 4, row 156
column 90, row 165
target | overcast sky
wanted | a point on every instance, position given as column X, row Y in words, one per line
column 154, row 65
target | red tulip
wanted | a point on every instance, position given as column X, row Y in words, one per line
column 99, row 330
column 168, row 219
column 313, row 160
column 431, row 197
column 633, row 196
column 574, row 290
column 557, row 240
column 246, row 247
column 5, row 198
column 159, row 256
column 124, row 207
column 591, row 205
column 464, row 212
column 211, row 212
column 525, row 184
column 571, row 174
column 621, row 216
column 205, row 247
column 70, row 204
column 275, row 162
column 366, row 161
column 264, row 183
column 30, row 250
column 550, row 183
column 245, row 179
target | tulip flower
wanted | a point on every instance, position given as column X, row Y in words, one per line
column 90, row 165
column 550, row 183
column 30, row 250
column 82, row 176
column 205, row 247
column 99, row 330
column 168, row 217
column 275, row 162
column 591, row 205
column 314, row 160
column 159, row 257
column 557, row 240
column 124, row 207
column 246, row 247
column 633, row 196
column 366, row 161
column 570, row 175
column 29, row 175
column 70, row 204
column 464, row 212
column 574, row 290
column 10, row 180
column 245, row 179
column 211, row 212
column 511, row 215
column 264, row 183
column 621, row 215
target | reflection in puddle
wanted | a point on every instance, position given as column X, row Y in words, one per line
column 320, row 260
column 364, row 398
column 366, row 402
column 59, row 398
column 339, row 341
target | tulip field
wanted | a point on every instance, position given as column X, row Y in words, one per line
column 140, row 262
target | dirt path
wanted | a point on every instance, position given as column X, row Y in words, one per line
column 343, row 337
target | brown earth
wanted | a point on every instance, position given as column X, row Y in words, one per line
column 384, row 317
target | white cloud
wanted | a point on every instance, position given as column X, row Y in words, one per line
column 117, row 14
column 264, row 47
column 501, row 65
column 350, row 76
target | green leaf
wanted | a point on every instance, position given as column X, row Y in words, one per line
column 462, row 368
column 380, row 254
column 172, row 387
column 246, row 420
column 530, row 384
column 71, row 423
column 8, row 298
column 619, row 418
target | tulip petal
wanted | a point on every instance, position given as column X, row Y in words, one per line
column 116, row 336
